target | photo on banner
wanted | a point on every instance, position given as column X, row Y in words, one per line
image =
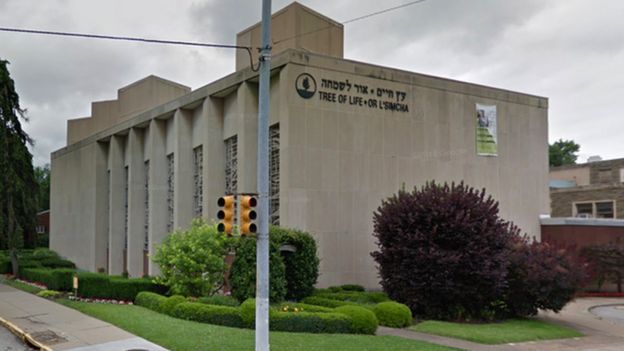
column 487, row 139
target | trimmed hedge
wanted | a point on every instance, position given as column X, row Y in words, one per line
column 325, row 302
column 5, row 265
column 356, row 296
column 149, row 300
column 393, row 314
column 52, row 262
column 304, row 307
column 213, row 314
column 219, row 300
column 309, row 322
column 167, row 305
column 363, row 321
column 351, row 287
column 54, row 279
column 102, row 286
column 248, row 313
column 302, row 266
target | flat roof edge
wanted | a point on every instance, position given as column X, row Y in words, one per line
column 590, row 222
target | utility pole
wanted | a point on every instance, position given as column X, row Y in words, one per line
column 262, row 248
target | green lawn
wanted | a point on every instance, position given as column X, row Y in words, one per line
column 516, row 330
column 180, row 335
column 18, row 285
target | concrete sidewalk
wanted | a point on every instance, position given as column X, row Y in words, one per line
column 56, row 327
column 599, row 334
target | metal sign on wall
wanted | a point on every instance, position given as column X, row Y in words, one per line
column 345, row 92
column 487, row 138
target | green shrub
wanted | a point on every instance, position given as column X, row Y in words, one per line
column 24, row 264
column 351, row 287
column 167, row 305
column 219, row 300
column 48, row 294
column 192, row 262
column 54, row 279
column 102, row 286
column 393, row 314
column 356, row 296
column 213, row 314
column 309, row 322
column 149, row 300
column 52, row 262
column 325, row 302
column 363, row 321
column 290, row 306
column 243, row 273
column 44, row 253
column 301, row 266
column 248, row 313
column 5, row 265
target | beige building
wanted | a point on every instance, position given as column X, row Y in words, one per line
column 344, row 136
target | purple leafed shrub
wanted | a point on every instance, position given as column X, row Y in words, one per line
column 540, row 276
column 443, row 250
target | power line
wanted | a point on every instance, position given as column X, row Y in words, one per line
column 354, row 19
column 134, row 39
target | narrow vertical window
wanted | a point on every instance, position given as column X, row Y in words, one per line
column 198, row 167
column 126, row 178
column 274, row 174
column 231, row 166
column 170, row 190
column 146, row 168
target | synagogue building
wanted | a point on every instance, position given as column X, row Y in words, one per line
column 344, row 135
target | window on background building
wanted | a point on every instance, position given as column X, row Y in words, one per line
column 595, row 209
column 621, row 175
column 40, row 229
column 605, row 209
column 198, row 170
column 584, row 210
column 274, row 174
column 146, row 168
column 170, row 190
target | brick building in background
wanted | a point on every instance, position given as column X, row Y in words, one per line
column 588, row 190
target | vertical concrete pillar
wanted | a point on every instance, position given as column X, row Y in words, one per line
column 157, row 189
column 117, row 215
column 136, row 202
column 214, row 156
column 247, row 100
column 183, row 163
column 101, row 206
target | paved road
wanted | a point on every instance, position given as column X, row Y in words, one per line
column 10, row 342
column 614, row 313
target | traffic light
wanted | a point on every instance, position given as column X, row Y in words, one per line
column 248, row 215
column 226, row 214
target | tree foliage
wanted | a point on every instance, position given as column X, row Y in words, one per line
column 42, row 177
column 445, row 253
column 563, row 152
column 442, row 250
column 192, row 262
column 18, row 189
column 606, row 263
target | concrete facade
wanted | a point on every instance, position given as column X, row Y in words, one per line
column 351, row 136
column 592, row 184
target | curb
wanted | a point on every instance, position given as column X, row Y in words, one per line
column 23, row 335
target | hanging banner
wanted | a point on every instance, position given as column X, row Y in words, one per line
column 487, row 140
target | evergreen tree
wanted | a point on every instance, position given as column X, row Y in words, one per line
column 42, row 175
column 18, row 188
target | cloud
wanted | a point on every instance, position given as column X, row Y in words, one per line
column 568, row 50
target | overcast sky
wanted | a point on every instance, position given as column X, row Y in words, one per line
column 570, row 51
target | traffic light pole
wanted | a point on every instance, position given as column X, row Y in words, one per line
column 262, row 248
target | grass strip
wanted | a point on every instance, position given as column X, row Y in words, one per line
column 180, row 335
column 514, row 330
